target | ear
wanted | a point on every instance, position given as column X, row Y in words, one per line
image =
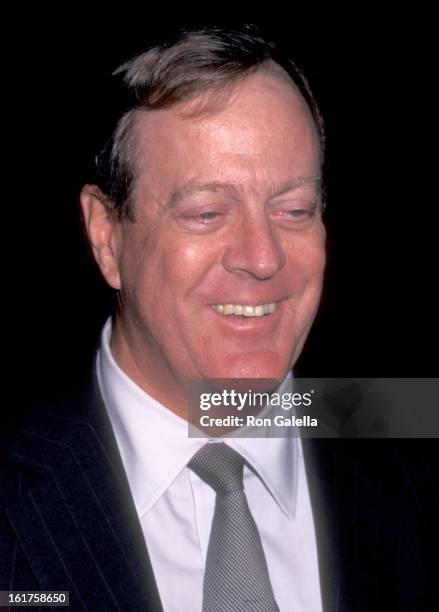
column 103, row 232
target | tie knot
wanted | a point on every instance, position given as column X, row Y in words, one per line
column 219, row 466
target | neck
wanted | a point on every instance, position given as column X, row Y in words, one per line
column 158, row 383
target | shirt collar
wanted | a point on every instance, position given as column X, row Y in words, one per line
column 155, row 447
column 276, row 460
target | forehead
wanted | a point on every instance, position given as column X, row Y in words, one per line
column 262, row 125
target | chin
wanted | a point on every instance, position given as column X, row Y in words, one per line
column 268, row 365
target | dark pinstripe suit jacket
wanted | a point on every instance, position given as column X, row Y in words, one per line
column 68, row 522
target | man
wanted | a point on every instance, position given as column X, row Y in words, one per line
column 205, row 216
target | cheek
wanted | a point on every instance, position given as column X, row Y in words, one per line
column 306, row 261
column 170, row 269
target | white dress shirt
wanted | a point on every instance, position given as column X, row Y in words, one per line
column 175, row 507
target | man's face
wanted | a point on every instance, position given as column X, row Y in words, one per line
column 227, row 213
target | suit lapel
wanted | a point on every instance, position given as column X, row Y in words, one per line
column 78, row 526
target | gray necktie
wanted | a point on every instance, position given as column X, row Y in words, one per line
column 236, row 577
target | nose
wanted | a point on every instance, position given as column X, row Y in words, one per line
column 254, row 248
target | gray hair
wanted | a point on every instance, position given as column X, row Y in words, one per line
column 194, row 62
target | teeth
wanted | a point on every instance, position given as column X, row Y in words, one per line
column 244, row 310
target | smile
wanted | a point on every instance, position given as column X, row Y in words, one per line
column 243, row 310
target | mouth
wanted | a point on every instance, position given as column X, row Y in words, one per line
column 244, row 310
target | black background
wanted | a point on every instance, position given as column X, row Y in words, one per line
column 373, row 77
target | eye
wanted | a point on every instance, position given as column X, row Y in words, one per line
column 296, row 214
column 202, row 218
column 300, row 213
column 208, row 216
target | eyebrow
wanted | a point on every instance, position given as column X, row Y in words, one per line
column 232, row 190
column 192, row 187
